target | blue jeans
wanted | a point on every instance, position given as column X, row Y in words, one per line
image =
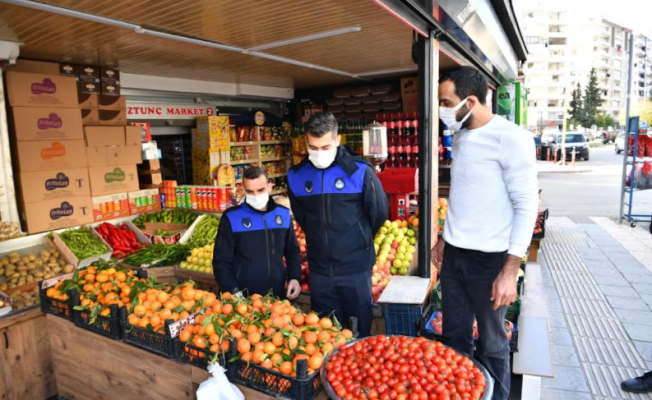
column 467, row 277
column 344, row 296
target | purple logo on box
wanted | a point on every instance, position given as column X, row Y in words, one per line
column 53, row 121
column 61, row 181
column 65, row 210
column 45, row 87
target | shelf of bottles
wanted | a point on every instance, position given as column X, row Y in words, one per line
column 402, row 139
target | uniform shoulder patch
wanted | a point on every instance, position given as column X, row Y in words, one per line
column 279, row 220
column 246, row 222
column 308, row 186
column 339, row 184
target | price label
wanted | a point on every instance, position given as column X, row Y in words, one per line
column 48, row 283
column 178, row 326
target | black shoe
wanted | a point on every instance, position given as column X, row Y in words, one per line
column 642, row 384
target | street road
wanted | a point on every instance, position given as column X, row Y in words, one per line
column 590, row 194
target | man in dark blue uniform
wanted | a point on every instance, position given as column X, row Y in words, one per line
column 340, row 204
column 252, row 240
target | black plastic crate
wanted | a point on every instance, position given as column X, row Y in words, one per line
column 273, row 383
column 105, row 326
column 155, row 342
column 193, row 355
column 59, row 308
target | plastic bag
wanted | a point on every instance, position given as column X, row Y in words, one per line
column 218, row 387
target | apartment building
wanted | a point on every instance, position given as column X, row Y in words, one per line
column 564, row 45
column 642, row 68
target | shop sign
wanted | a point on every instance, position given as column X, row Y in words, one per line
column 259, row 118
column 177, row 327
column 136, row 110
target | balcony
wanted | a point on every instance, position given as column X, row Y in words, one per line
column 639, row 52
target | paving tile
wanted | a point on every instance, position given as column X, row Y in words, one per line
column 548, row 393
column 567, row 378
column 632, row 269
column 644, row 349
column 622, row 258
column 591, row 264
column 647, row 298
column 613, row 248
column 609, row 271
column 592, row 253
column 621, row 291
column 642, row 288
column 627, row 303
column 634, row 316
column 639, row 278
column 557, row 319
column 564, row 356
column 613, row 280
column 561, row 337
column 638, row 331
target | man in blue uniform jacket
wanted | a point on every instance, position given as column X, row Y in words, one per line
column 252, row 240
column 339, row 202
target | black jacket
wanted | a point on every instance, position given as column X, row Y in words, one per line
column 250, row 247
column 341, row 208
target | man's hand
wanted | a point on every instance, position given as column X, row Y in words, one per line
column 294, row 289
column 437, row 253
column 503, row 292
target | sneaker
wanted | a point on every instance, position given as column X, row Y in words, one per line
column 642, row 384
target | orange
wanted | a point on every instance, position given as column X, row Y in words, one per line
column 102, row 278
column 242, row 309
column 327, row 348
column 188, row 293
column 312, row 319
column 270, row 348
column 326, row 323
column 254, row 337
column 169, row 305
column 227, row 309
column 236, row 334
column 155, row 321
column 126, row 290
column 140, row 310
column 165, row 314
column 276, row 358
column 209, row 329
column 187, row 305
column 246, row 357
column 162, row 297
column 323, row 336
column 105, row 313
column 214, row 348
column 309, row 337
column 286, row 368
column 143, row 322
column 90, row 278
column 214, row 339
column 199, row 342
column 226, row 296
column 183, row 314
column 88, row 287
column 311, row 349
column 347, row 333
column 259, row 346
column 244, row 346
column 316, row 361
column 293, row 342
column 121, row 276
column 257, row 355
column 269, row 332
column 277, row 339
column 267, row 364
column 156, row 305
column 133, row 319
column 298, row 319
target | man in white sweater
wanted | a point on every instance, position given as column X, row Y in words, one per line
column 491, row 215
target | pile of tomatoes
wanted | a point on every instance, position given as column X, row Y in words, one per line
column 403, row 368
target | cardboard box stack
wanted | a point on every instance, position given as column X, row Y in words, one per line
column 48, row 148
column 211, row 148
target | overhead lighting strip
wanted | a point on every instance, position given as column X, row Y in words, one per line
column 307, row 38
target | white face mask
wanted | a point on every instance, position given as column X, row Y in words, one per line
column 322, row 159
column 447, row 115
column 258, row 202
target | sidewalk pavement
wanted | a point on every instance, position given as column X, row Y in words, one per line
column 549, row 167
column 598, row 282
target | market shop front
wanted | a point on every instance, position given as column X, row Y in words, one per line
column 184, row 68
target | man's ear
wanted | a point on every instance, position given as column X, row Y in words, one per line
column 471, row 102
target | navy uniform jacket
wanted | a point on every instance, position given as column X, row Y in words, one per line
column 341, row 208
column 250, row 247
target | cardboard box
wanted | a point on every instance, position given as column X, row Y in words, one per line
column 65, row 251
column 110, row 75
column 112, row 102
column 149, row 166
column 143, row 201
column 150, row 151
column 70, row 70
column 99, row 136
column 89, row 73
column 145, row 133
column 34, row 67
column 89, row 88
column 49, row 155
column 113, row 179
column 56, row 214
column 88, row 101
column 154, row 179
column 32, row 123
column 110, row 88
column 133, row 136
column 40, row 186
column 410, row 94
column 90, row 116
column 113, row 117
column 41, row 90
column 110, row 207
column 213, row 134
column 113, row 155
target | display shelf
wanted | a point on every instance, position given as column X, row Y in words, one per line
column 280, row 191
column 261, row 142
column 252, row 160
column 275, row 159
column 255, row 160
column 270, row 177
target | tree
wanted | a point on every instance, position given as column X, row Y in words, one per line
column 576, row 112
column 605, row 121
column 592, row 100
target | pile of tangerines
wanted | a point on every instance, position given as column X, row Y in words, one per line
column 271, row 333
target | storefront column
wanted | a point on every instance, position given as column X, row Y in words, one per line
column 428, row 49
column 8, row 207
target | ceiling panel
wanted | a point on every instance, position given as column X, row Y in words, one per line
column 383, row 43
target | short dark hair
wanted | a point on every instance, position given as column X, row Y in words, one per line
column 255, row 173
column 468, row 81
column 320, row 124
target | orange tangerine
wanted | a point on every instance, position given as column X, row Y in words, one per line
column 326, row 323
column 270, row 348
column 244, row 346
column 309, row 337
column 312, row 319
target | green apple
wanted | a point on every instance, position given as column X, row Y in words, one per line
column 412, row 240
column 386, row 246
column 382, row 259
column 411, row 233
column 383, row 230
column 393, row 271
column 409, row 257
column 376, row 247
column 401, row 249
column 403, row 271
column 379, row 240
column 412, row 249
column 387, row 224
column 397, row 263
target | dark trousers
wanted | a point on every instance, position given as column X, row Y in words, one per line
column 345, row 297
column 467, row 277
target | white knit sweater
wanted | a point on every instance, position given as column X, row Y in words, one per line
column 494, row 189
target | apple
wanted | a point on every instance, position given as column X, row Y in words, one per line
column 376, row 248
column 412, row 240
column 387, row 224
column 401, row 249
column 385, row 282
column 411, row 233
column 412, row 249
column 393, row 270
column 397, row 263
column 382, row 259
column 395, row 245
column 403, row 271
column 409, row 257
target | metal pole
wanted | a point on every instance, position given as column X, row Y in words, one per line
column 428, row 149
column 626, row 146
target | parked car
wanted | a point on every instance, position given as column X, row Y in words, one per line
column 620, row 142
column 576, row 140
column 537, row 146
column 548, row 135
column 608, row 136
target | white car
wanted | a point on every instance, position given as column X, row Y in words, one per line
column 620, row 142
